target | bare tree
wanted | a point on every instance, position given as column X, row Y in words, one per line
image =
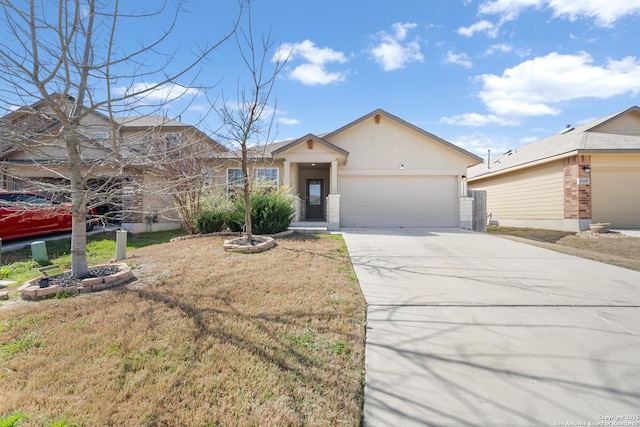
column 248, row 123
column 62, row 62
column 186, row 173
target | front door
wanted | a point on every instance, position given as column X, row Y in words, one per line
column 315, row 201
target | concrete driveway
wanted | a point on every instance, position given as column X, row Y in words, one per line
column 470, row 329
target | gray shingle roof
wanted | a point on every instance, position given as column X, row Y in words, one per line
column 584, row 138
column 149, row 121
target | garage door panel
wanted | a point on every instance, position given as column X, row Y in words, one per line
column 398, row 201
column 614, row 197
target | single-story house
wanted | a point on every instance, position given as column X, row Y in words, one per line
column 582, row 175
column 378, row 170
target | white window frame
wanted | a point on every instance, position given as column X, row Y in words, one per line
column 236, row 182
column 270, row 183
column 100, row 135
column 172, row 138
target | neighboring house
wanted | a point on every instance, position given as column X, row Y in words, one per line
column 122, row 157
column 378, row 170
column 582, row 175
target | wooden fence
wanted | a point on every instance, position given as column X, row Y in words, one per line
column 479, row 210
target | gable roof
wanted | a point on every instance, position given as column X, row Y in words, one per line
column 270, row 151
column 472, row 157
column 305, row 138
column 149, row 121
column 40, row 126
column 585, row 139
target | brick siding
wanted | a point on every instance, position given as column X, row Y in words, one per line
column 577, row 198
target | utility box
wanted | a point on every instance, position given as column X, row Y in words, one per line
column 121, row 245
column 39, row 252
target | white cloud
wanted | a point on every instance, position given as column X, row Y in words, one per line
column 500, row 47
column 391, row 53
column 288, row 121
column 459, row 59
column 315, row 74
column 483, row 26
column 481, row 144
column 313, row 70
column 508, row 9
column 154, row 93
column 474, row 119
column 534, row 87
column 585, row 120
column 604, row 12
column 199, row 108
column 308, row 51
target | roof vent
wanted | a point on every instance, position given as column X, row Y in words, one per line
column 568, row 129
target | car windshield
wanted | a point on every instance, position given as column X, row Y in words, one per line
column 32, row 199
column 13, row 199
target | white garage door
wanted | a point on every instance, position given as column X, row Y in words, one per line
column 399, row 201
column 615, row 197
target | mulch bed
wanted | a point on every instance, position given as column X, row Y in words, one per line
column 66, row 280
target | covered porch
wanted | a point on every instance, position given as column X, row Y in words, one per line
column 315, row 186
column 310, row 171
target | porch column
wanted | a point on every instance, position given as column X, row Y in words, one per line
column 333, row 189
column 577, row 191
column 333, row 199
column 287, row 173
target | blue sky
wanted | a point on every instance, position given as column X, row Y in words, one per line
column 482, row 74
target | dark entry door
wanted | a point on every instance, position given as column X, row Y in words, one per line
column 315, row 201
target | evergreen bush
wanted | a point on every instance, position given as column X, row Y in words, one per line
column 271, row 213
column 210, row 221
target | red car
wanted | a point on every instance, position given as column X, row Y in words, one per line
column 25, row 214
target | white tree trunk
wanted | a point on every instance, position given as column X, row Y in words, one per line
column 79, row 265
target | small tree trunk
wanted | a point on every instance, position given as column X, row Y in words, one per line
column 79, row 266
column 247, row 213
column 247, row 195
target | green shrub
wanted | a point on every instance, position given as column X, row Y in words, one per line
column 235, row 218
column 270, row 213
column 210, row 221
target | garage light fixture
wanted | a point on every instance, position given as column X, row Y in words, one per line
column 401, row 166
column 463, row 178
column 586, row 169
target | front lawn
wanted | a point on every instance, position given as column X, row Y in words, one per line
column 203, row 337
column 18, row 266
column 613, row 248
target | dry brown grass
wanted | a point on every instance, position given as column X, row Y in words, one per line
column 204, row 337
column 622, row 252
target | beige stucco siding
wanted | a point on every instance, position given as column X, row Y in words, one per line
column 397, row 176
column 624, row 125
column 533, row 193
column 389, row 145
column 616, row 197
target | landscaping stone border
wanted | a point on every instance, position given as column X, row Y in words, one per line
column 229, row 234
column 31, row 290
column 266, row 244
column 600, row 227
